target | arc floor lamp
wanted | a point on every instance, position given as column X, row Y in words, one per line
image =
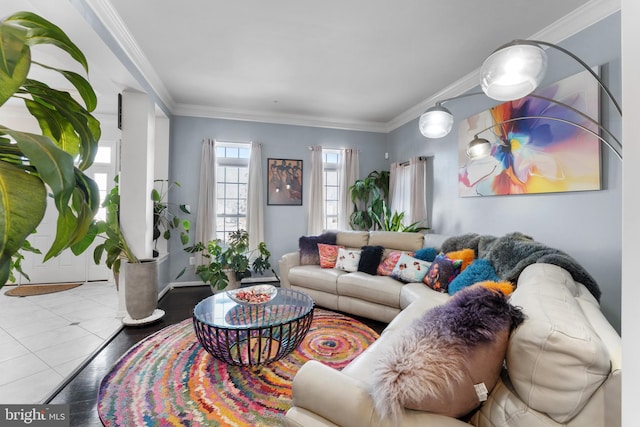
column 511, row 72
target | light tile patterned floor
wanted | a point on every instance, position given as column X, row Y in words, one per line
column 44, row 338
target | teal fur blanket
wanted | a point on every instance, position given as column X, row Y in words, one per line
column 511, row 253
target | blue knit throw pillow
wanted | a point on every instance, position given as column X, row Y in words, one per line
column 480, row 270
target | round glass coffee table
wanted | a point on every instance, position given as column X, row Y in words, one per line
column 244, row 334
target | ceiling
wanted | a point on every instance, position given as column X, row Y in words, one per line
column 358, row 64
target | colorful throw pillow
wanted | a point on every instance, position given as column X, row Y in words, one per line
column 370, row 257
column 328, row 255
column 466, row 255
column 409, row 269
column 427, row 254
column 441, row 272
column 388, row 263
column 308, row 247
column 348, row 259
column 479, row 270
column 449, row 360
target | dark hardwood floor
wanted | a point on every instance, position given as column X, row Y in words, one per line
column 81, row 391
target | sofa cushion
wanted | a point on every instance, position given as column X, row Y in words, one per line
column 370, row 258
column 352, row 239
column 556, row 360
column 427, row 254
column 465, row 255
column 308, row 247
column 478, row 271
column 348, row 259
column 441, row 272
column 328, row 255
column 379, row 289
column 396, row 240
column 409, row 269
column 316, row 277
column 388, row 263
column 448, row 360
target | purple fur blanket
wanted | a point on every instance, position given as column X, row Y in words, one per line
column 511, row 253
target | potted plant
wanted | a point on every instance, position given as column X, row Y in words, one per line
column 368, row 196
column 230, row 263
column 392, row 221
column 141, row 275
column 31, row 165
column 164, row 220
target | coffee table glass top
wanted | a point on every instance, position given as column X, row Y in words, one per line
column 220, row 311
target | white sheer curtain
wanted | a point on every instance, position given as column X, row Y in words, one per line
column 418, row 198
column 316, row 193
column 206, row 215
column 349, row 173
column 407, row 188
column 255, row 197
column 397, row 188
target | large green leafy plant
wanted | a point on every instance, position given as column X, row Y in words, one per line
column 368, row 196
column 234, row 256
column 164, row 220
column 33, row 166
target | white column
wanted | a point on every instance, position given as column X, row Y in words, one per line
column 136, row 171
column 630, row 210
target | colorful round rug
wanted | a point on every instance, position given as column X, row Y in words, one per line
column 168, row 379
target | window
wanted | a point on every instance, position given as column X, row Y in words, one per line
column 331, row 161
column 232, row 178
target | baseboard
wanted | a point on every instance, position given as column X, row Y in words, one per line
column 251, row 280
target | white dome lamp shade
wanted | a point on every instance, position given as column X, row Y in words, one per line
column 436, row 122
column 478, row 148
column 513, row 71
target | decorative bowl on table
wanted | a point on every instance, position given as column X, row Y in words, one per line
column 253, row 295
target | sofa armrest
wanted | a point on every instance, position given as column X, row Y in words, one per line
column 343, row 400
column 285, row 263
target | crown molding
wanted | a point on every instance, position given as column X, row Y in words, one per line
column 277, row 118
column 565, row 27
column 109, row 17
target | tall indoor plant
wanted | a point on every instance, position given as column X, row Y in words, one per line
column 33, row 165
column 141, row 275
column 164, row 219
column 368, row 196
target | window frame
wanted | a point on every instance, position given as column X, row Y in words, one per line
column 222, row 163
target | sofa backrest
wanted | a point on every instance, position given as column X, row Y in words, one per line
column 565, row 349
column 396, row 240
column 352, row 239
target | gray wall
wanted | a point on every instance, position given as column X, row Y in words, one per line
column 283, row 224
column 586, row 225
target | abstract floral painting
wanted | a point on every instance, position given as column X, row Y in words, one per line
column 535, row 155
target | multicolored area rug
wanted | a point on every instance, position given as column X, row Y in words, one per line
column 168, row 379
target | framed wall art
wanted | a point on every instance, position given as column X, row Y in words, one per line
column 284, row 182
column 535, row 155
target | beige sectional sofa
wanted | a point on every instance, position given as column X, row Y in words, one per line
column 374, row 297
column 562, row 367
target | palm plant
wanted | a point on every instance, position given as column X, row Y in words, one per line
column 31, row 165
column 393, row 221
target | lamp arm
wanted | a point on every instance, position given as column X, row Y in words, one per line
column 557, row 119
column 464, row 95
column 580, row 61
